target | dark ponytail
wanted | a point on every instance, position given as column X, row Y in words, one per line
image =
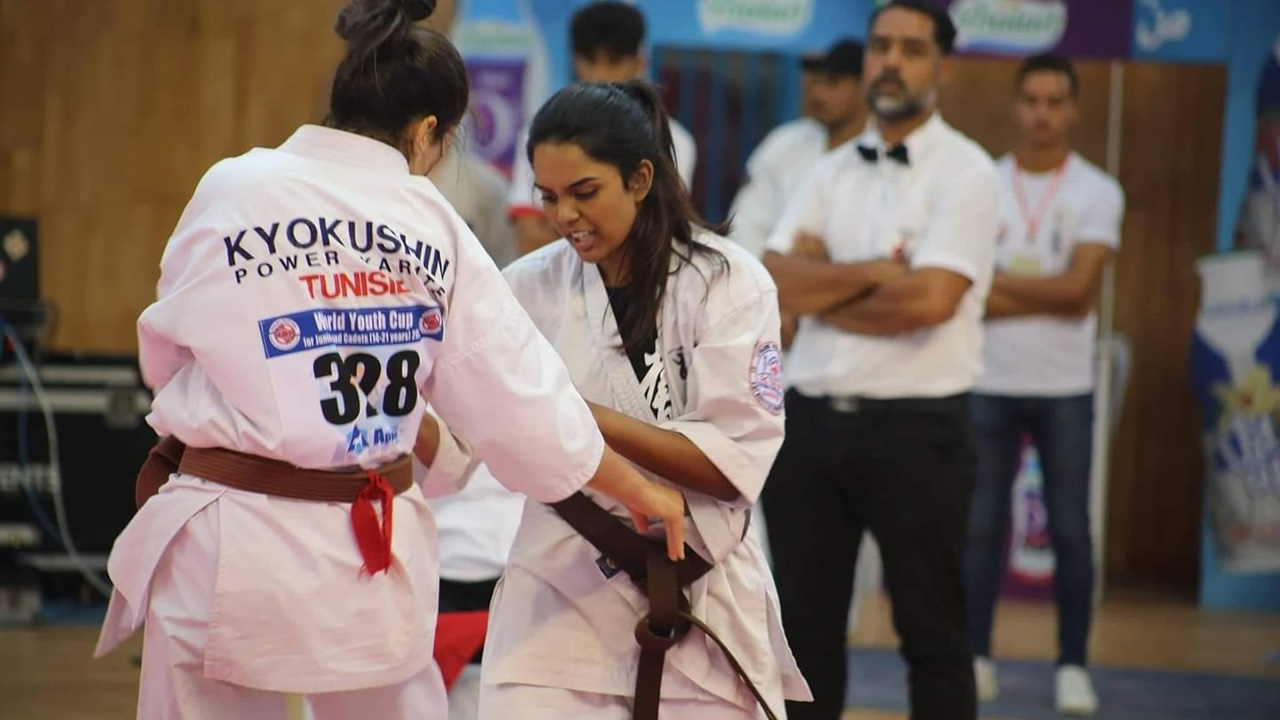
column 647, row 96
column 622, row 124
column 395, row 72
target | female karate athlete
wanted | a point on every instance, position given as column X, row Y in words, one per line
column 310, row 298
column 671, row 333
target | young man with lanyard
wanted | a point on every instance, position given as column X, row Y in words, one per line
column 1062, row 220
column 607, row 40
column 889, row 271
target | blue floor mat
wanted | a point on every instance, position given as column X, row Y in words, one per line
column 877, row 680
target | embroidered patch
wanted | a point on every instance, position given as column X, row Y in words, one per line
column 431, row 323
column 766, row 376
column 284, row 334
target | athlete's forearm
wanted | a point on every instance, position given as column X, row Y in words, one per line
column 665, row 453
column 428, row 442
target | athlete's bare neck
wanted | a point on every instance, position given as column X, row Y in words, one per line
column 614, row 270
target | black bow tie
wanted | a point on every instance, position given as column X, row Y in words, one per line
column 897, row 152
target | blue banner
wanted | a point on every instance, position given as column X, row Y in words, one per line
column 1181, row 30
column 788, row 26
column 1160, row 30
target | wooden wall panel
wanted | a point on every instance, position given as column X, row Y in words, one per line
column 977, row 98
column 1171, row 140
column 113, row 109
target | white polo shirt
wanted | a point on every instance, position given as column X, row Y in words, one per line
column 943, row 209
column 775, row 169
column 1045, row 216
column 524, row 200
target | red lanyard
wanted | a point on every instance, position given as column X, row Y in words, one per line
column 1033, row 221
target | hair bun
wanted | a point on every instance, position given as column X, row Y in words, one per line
column 379, row 18
column 348, row 22
column 418, row 9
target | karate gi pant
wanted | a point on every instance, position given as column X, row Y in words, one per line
column 173, row 685
column 535, row 702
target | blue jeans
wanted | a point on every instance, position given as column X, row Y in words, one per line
column 1062, row 430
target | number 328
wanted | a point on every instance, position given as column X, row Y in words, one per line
column 355, row 377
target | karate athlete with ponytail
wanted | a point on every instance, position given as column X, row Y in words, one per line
column 311, row 299
column 670, row 331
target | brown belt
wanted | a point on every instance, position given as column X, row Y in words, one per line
column 243, row 471
column 662, row 581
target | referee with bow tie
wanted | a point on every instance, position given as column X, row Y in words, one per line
column 887, row 256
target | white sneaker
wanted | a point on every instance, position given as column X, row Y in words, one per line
column 984, row 676
column 1075, row 695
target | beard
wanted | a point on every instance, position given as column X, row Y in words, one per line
column 898, row 107
column 894, row 108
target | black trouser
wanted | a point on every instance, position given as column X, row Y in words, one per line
column 903, row 469
column 458, row 596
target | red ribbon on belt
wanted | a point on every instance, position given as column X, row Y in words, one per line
column 373, row 539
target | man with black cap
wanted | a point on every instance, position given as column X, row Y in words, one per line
column 834, row 114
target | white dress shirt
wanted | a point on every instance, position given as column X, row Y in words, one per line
column 942, row 209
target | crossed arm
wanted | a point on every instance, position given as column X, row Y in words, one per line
column 919, row 299
column 876, row 297
column 1069, row 294
column 811, row 286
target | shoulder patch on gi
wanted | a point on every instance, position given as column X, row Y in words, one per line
column 766, row 376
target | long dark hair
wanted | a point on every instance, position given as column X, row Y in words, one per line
column 395, row 72
column 623, row 124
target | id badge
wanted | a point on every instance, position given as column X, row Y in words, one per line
column 1028, row 265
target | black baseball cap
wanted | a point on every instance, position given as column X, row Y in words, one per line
column 844, row 58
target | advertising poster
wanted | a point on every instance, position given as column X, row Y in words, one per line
column 1236, row 351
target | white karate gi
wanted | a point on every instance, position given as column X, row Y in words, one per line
column 309, row 298
column 560, row 631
